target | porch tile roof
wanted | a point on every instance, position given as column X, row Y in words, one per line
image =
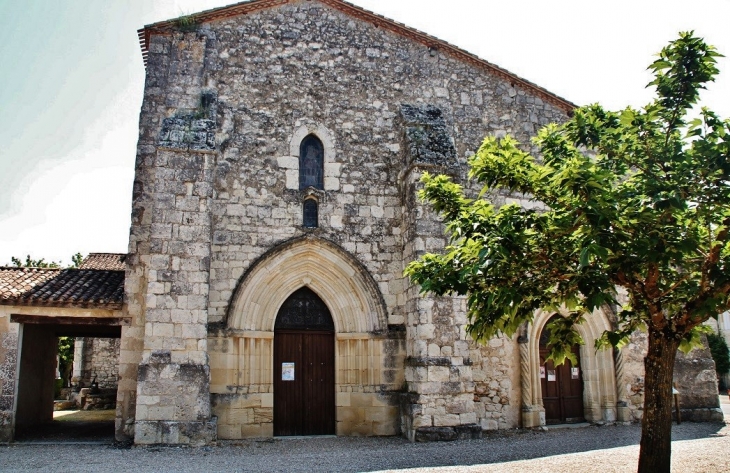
column 83, row 288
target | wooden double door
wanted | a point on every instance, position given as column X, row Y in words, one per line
column 562, row 388
column 304, row 367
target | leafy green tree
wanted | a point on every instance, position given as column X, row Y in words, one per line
column 636, row 198
column 65, row 358
column 720, row 353
column 76, row 260
column 33, row 263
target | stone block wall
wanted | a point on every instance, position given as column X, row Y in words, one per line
column 496, row 374
column 630, row 377
column 224, row 112
column 694, row 377
column 170, row 406
column 8, row 378
column 696, row 380
column 96, row 358
column 722, row 327
column 279, row 75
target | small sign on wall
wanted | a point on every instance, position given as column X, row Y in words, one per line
column 551, row 375
column 542, row 372
column 574, row 373
column 287, row 371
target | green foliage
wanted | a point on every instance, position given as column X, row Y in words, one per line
column 65, row 356
column 33, row 263
column 720, row 352
column 693, row 338
column 66, row 349
column 29, row 262
column 636, row 198
column 76, row 260
column 562, row 336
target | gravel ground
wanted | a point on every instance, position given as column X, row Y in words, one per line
column 696, row 448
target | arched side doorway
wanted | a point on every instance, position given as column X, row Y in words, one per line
column 597, row 374
column 561, row 386
column 304, row 367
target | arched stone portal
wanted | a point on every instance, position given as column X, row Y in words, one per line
column 338, row 278
column 368, row 360
column 597, row 371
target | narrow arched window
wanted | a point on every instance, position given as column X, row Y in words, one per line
column 311, row 163
column 310, row 214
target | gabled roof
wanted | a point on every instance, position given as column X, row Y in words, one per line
column 250, row 6
column 53, row 287
column 109, row 261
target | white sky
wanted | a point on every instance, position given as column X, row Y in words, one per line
column 72, row 80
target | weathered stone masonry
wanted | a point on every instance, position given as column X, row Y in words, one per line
column 206, row 209
column 217, row 240
column 96, row 359
column 218, row 245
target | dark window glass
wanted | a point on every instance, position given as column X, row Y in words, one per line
column 311, row 163
column 304, row 310
column 311, row 214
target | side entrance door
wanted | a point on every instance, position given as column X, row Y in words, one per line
column 304, row 367
column 562, row 387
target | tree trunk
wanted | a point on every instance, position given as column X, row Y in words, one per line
column 656, row 426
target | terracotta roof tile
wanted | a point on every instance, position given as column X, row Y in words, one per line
column 86, row 288
column 109, row 261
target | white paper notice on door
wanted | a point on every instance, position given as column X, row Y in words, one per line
column 551, row 375
column 287, row 371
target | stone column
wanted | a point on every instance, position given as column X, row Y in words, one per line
column 530, row 411
column 78, row 364
column 623, row 413
column 439, row 404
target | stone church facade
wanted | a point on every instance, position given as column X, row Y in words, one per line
column 274, row 210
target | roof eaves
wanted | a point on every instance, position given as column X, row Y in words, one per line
column 63, row 304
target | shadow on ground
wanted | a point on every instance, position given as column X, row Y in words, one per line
column 71, row 427
column 371, row 454
column 348, row 454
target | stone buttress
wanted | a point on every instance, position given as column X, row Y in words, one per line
column 439, row 403
column 167, row 286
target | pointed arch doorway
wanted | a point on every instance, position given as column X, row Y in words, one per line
column 304, row 367
column 562, row 386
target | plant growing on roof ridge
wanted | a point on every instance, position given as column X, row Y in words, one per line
column 636, row 198
column 186, row 23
